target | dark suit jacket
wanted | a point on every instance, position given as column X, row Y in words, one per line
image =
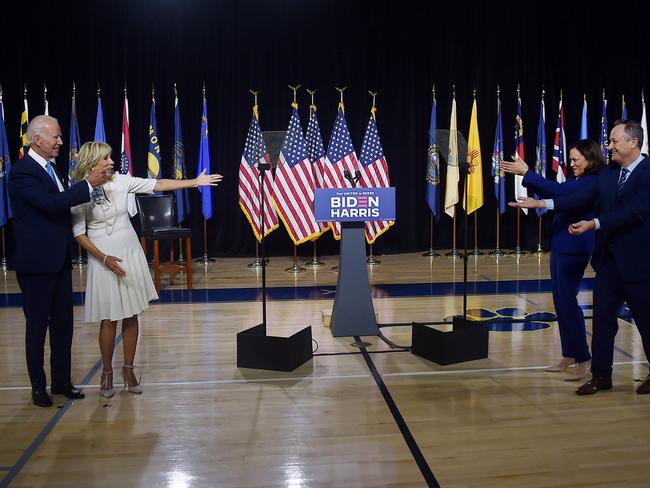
column 561, row 240
column 624, row 222
column 41, row 217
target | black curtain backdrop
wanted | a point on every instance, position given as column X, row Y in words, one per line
column 399, row 49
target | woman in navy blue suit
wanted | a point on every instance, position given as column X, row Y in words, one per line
column 570, row 254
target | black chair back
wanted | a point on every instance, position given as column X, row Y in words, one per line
column 156, row 211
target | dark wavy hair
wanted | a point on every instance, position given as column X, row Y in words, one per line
column 590, row 150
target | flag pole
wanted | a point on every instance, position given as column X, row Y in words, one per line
column 4, row 258
column 295, row 267
column 497, row 249
column 431, row 253
column 257, row 264
column 181, row 258
column 81, row 261
column 205, row 259
column 371, row 261
column 454, row 252
column 539, row 252
column 517, row 251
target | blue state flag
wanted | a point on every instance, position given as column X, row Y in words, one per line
column 182, row 197
column 100, row 135
column 433, row 167
column 540, row 152
column 583, row 123
column 624, row 110
column 497, row 156
column 602, row 140
column 5, row 167
column 204, row 164
column 75, row 142
column 153, row 154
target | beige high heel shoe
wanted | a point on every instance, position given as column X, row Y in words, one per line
column 580, row 372
column 561, row 365
column 137, row 388
column 104, row 390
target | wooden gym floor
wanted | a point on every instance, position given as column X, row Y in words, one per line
column 380, row 416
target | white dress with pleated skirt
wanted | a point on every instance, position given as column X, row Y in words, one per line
column 106, row 222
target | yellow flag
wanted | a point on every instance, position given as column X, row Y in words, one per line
column 453, row 175
column 24, row 122
column 474, row 186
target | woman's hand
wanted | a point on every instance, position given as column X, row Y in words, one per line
column 517, row 167
column 111, row 263
column 208, row 180
column 527, row 202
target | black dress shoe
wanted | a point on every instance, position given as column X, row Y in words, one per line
column 594, row 385
column 644, row 389
column 67, row 390
column 40, row 398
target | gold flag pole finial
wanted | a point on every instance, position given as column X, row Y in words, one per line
column 74, row 89
column 341, row 90
column 433, row 91
column 518, row 92
column 560, row 94
column 295, row 92
column 175, row 92
column 543, row 93
column 311, row 93
column 204, row 91
column 474, row 93
column 98, row 91
column 603, row 94
column 642, row 98
column 453, row 92
column 45, row 91
column 125, row 89
column 255, row 109
column 584, row 97
column 498, row 92
column 25, row 92
column 1, row 93
column 373, row 109
column 153, row 92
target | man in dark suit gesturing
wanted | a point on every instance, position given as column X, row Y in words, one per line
column 42, row 230
column 622, row 198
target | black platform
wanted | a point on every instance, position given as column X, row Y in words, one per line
column 466, row 342
column 257, row 350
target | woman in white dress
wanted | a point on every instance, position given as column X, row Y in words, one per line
column 118, row 284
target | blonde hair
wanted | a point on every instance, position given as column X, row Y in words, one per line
column 89, row 155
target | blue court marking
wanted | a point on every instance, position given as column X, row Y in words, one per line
column 542, row 316
column 516, row 326
column 512, row 312
column 327, row 292
column 42, row 435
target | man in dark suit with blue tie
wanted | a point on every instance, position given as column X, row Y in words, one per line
column 41, row 209
column 621, row 259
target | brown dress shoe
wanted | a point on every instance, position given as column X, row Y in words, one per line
column 644, row 389
column 594, row 385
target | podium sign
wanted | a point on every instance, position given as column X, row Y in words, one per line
column 354, row 204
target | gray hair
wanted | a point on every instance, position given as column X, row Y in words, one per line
column 37, row 126
column 632, row 129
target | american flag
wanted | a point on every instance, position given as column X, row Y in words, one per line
column 316, row 153
column 249, row 183
column 340, row 157
column 374, row 174
column 293, row 186
column 559, row 148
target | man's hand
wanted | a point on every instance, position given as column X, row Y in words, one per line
column 528, row 202
column 581, row 227
column 100, row 173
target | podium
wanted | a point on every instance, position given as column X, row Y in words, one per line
column 353, row 313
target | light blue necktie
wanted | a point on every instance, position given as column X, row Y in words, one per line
column 50, row 171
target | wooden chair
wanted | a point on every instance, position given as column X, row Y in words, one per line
column 158, row 221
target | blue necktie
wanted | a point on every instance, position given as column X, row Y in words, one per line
column 621, row 182
column 50, row 171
